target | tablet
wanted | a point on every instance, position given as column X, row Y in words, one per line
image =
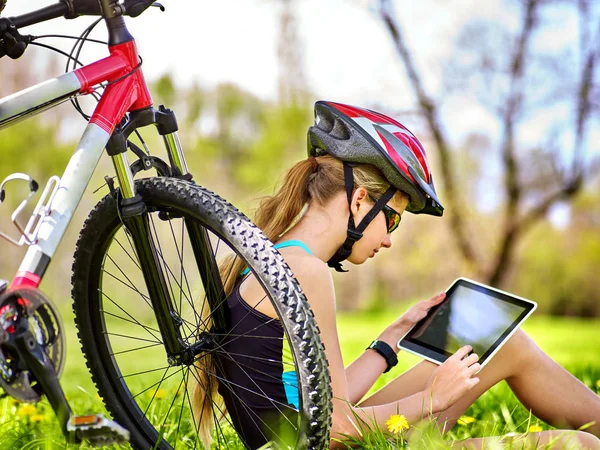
column 471, row 314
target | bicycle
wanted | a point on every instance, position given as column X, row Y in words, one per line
column 147, row 314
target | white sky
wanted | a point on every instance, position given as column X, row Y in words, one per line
column 348, row 56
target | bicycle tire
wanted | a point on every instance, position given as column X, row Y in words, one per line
column 90, row 302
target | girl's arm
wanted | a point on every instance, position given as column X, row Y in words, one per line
column 365, row 370
column 451, row 380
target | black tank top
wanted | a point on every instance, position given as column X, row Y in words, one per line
column 262, row 400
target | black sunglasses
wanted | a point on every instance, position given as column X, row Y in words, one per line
column 392, row 217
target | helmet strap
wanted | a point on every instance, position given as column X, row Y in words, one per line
column 354, row 233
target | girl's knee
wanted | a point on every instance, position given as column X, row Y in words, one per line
column 520, row 350
column 587, row 440
column 566, row 439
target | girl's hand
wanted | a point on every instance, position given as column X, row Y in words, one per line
column 407, row 320
column 450, row 381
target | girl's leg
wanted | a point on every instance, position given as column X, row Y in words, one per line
column 555, row 439
column 543, row 386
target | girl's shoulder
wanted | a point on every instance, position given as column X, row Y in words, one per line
column 306, row 266
column 314, row 277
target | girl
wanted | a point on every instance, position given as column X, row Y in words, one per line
column 343, row 203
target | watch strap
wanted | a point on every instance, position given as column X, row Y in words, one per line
column 386, row 351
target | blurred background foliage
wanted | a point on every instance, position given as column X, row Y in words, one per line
column 239, row 146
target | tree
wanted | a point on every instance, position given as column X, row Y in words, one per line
column 525, row 203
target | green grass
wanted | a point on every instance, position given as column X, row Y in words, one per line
column 572, row 342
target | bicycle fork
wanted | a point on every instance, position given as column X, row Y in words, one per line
column 134, row 216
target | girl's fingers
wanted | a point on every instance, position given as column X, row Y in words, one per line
column 436, row 299
column 471, row 359
column 462, row 352
column 474, row 369
column 473, row 381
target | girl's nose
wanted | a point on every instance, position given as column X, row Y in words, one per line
column 387, row 241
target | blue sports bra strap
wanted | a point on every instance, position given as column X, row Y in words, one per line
column 294, row 243
column 290, row 243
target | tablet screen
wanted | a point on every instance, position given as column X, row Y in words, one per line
column 471, row 314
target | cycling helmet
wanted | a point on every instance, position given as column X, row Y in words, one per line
column 357, row 135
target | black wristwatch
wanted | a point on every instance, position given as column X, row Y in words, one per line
column 386, row 351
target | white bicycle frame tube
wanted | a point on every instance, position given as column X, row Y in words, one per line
column 70, row 191
column 74, row 180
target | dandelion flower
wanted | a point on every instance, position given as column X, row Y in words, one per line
column 27, row 410
column 37, row 418
column 465, row 420
column 397, row 423
column 157, row 394
column 534, row 429
column 598, row 383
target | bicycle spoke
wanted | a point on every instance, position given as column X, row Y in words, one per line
column 127, row 278
column 145, row 371
column 170, row 274
column 158, row 251
column 248, row 336
column 182, row 404
column 223, row 284
column 250, row 411
column 129, row 337
column 259, row 388
column 127, row 253
column 156, row 391
column 145, row 297
column 135, row 349
column 213, row 374
column 133, row 319
column 265, row 374
column 182, row 273
column 151, row 386
column 196, row 423
column 171, row 406
column 257, row 358
column 223, row 414
column 130, row 321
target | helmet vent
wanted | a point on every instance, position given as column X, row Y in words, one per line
column 324, row 122
column 339, row 130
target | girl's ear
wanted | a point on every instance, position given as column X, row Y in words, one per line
column 359, row 196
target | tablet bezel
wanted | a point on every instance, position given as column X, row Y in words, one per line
column 438, row 356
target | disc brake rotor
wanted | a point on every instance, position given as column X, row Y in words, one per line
column 44, row 323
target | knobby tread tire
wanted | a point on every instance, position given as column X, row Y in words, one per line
column 268, row 265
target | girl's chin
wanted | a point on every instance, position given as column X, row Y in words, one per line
column 360, row 260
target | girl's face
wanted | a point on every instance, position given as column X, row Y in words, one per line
column 376, row 235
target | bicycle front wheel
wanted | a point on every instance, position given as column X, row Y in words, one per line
column 153, row 397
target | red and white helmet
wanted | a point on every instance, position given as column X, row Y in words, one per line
column 358, row 135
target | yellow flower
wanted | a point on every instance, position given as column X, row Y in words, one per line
column 534, row 428
column 157, row 394
column 27, row 410
column 465, row 420
column 598, row 383
column 37, row 417
column 397, row 423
